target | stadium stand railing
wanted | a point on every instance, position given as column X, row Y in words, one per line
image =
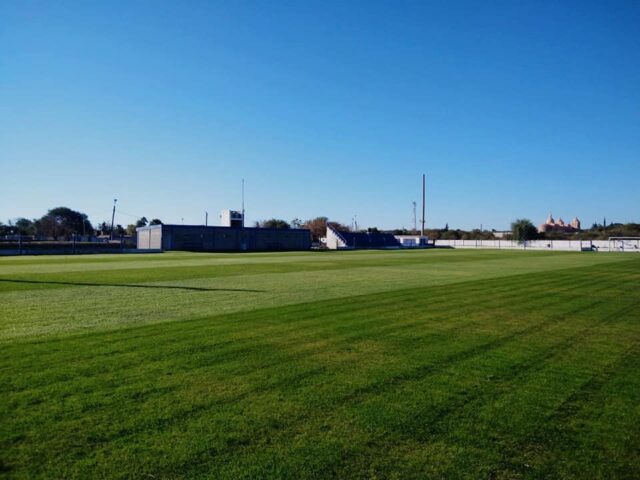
column 367, row 239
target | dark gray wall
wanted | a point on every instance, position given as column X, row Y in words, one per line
column 224, row 239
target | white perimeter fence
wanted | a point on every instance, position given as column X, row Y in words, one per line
column 613, row 245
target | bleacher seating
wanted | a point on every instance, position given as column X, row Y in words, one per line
column 368, row 240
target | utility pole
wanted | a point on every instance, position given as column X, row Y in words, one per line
column 415, row 226
column 423, row 201
column 113, row 216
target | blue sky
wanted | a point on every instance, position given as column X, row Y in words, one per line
column 511, row 108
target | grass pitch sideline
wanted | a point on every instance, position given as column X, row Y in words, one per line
column 304, row 365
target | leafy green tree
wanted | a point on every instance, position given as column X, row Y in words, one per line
column 5, row 229
column 104, row 228
column 522, row 230
column 63, row 222
column 275, row 223
column 141, row 222
column 451, row 235
column 155, row 221
column 24, row 226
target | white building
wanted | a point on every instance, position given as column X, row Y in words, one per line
column 231, row 218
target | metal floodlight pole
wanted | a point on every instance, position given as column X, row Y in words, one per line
column 423, row 202
column 415, row 226
column 206, row 219
column 243, row 203
column 113, row 216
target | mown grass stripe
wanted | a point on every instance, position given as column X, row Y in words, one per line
column 411, row 382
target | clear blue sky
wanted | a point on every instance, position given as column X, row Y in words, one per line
column 325, row 108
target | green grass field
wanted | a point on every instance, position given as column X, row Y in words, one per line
column 402, row 364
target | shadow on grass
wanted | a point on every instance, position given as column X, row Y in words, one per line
column 132, row 285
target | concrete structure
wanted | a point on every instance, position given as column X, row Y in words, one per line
column 412, row 241
column 231, row 218
column 198, row 238
column 342, row 240
column 333, row 240
column 552, row 225
column 611, row 245
column 65, row 248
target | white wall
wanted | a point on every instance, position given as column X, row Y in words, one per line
column 566, row 245
column 333, row 241
column 412, row 241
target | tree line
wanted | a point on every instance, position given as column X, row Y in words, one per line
column 523, row 229
column 317, row 226
column 64, row 223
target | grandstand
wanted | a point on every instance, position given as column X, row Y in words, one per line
column 342, row 239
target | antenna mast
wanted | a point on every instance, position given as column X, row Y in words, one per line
column 243, row 202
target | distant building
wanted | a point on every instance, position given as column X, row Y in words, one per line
column 231, row 218
column 200, row 238
column 552, row 225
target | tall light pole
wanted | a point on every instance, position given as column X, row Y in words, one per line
column 415, row 227
column 423, row 200
column 113, row 216
column 206, row 219
column 243, row 203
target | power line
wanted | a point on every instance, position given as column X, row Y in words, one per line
column 129, row 214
